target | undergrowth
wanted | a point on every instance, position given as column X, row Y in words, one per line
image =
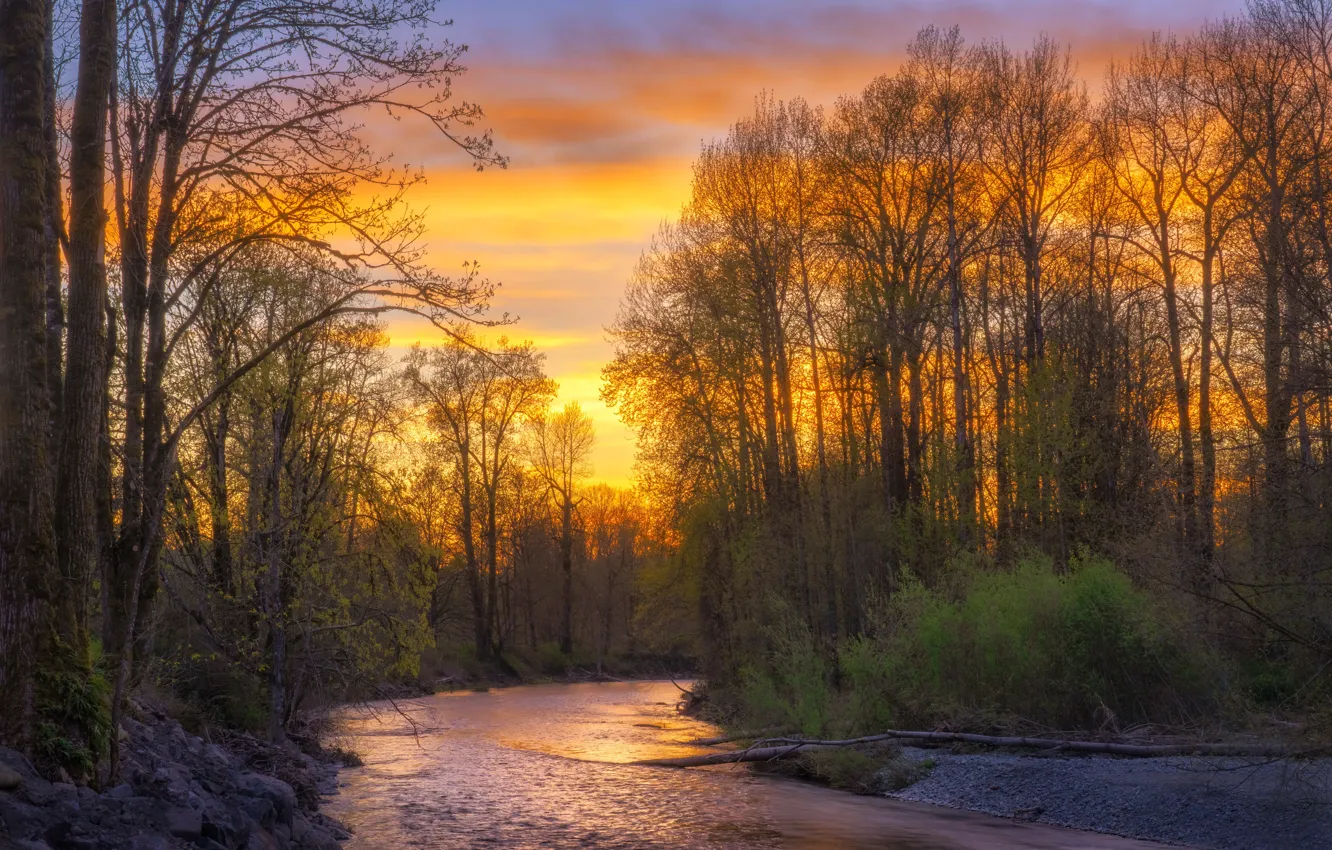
column 1078, row 649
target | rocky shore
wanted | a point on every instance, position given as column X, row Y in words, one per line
column 178, row 791
column 1205, row 802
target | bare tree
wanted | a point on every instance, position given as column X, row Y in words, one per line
column 560, row 450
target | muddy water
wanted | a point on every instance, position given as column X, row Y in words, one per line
column 545, row 766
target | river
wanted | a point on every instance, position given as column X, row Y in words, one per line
column 545, row 766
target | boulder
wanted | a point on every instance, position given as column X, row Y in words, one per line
column 184, row 823
column 262, row 840
column 9, row 778
column 318, row 839
column 275, row 791
column 260, row 811
column 226, row 827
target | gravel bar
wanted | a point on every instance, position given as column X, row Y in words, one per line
column 1207, row 802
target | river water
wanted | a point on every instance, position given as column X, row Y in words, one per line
column 546, row 766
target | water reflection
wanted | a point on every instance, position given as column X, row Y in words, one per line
column 545, row 766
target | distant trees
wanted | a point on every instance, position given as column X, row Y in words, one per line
column 476, row 401
column 560, row 449
column 974, row 315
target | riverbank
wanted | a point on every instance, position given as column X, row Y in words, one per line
column 1206, row 802
column 178, row 790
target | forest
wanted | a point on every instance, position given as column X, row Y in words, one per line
column 219, row 486
column 996, row 396
column 980, row 399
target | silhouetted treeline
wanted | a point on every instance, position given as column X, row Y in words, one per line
column 972, row 313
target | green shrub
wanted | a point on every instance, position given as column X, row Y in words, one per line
column 867, row 685
column 551, row 661
column 1078, row 650
column 793, row 689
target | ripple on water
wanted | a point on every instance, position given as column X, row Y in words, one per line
column 545, row 766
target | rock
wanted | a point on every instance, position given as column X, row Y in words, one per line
column 57, row 832
column 300, row 828
column 261, row 811
column 149, row 842
column 123, row 791
column 275, row 791
column 184, row 823
column 318, row 839
column 227, row 828
column 217, row 755
column 261, row 840
column 9, row 778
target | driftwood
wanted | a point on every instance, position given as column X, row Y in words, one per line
column 780, row 748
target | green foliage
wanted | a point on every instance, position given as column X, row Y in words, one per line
column 866, row 684
column 215, row 691
column 551, row 661
column 1077, row 650
column 794, row 688
column 1269, row 680
column 848, row 769
column 75, row 710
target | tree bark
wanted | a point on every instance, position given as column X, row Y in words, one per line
column 27, row 548
column 86, row 374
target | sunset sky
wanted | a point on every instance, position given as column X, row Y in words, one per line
column 601, row 106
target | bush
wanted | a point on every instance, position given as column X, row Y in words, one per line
column 551, row 661
column 1080, row 650
column 867, row 684
column 793, row 689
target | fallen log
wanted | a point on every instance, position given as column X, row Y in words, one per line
column 780, row 748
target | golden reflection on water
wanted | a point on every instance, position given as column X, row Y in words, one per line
column 546, row 767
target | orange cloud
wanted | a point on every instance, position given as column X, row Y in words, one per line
column 602, row 121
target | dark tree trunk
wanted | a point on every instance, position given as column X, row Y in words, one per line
column 27, row 547
column 566, row 565
column 85, row 377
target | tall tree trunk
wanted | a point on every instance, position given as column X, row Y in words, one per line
column 481, row 632
column 274, row 604
column 55, row 310
column 1206, row 439
column 85, row 387
column 566, row 565
column 215, row 443
column 1276, row 473
column 27, row 547
column 492, row 565
column 1187, row 483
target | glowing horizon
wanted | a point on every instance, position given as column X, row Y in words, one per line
column 601, row 107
